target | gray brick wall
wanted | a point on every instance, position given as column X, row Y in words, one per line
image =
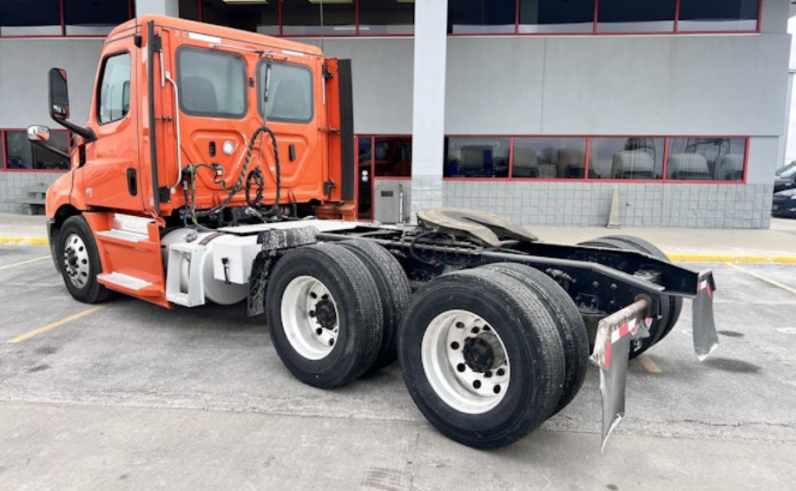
column 11, row 184
column 640, row 205
column 426, row 192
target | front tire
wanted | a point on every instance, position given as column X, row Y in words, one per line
column 324, row 315
column 481, row 357
column 77, row 254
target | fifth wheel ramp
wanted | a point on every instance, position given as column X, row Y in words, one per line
column 483, row 227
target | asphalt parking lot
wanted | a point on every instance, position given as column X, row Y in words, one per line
column 132, row 396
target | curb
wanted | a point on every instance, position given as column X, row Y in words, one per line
column 24, row 241
column 681, row 257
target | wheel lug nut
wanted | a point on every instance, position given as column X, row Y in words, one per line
column 454, row 345
column 460, row 367
column 475, row 330
column 501, row 372
column 477, row 384
column 488, row 375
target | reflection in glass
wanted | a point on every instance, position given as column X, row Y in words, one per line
column 636, row 16
column 718, row 15
column 706, row 159
column 549, row 158
column 482, row 16
column 556, row 16
column 290, row 92
column 303, row 18
column 30, row 18
column 386, row 17
column 94, row 17
column 364, row 181
column 393, row 156
column 22, row 154
column 477, row 157
column 626, row 158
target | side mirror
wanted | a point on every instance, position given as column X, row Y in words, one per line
column 59, row 95
column 38, row 133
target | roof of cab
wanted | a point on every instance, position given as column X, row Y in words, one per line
column 230, row 35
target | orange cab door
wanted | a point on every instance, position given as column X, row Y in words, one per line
column 111, row 176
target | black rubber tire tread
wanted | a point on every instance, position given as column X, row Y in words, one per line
column 93, row 292
column 359, row 309
column 394, row 291
column 675, row 303
column 533, row 347
column 571, row 330
column 658, row 326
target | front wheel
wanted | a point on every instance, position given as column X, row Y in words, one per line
column 481, row 357
column 78, row 259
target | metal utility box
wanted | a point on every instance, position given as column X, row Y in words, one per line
column 389, row 201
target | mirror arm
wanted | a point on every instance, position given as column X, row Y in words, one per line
column 86, row 133
column 54, row 150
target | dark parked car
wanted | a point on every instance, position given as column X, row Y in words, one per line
column 786, row 180
column 784, row 205
column 785, row 168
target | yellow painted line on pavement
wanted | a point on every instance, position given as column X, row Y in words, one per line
column 24, row 240
column 650, row 365
column 685, row 257
column 763, row 278
column 22, row 263
column 55, row 324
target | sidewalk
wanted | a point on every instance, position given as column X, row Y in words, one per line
column 777, row 244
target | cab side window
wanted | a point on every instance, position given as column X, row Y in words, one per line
column 114, row 89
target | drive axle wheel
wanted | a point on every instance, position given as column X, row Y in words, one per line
column 465, row 361
column 79, row 262
column 481, row 357
column 324, row 315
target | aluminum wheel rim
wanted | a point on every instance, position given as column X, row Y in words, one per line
column 447, row 357
column 76, row 262
column 310, row 318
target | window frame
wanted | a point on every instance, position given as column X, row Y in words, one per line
column 312, row 93
column 131, row 13
column 593, row 32
column 245, row 110
column 4, row 148
column 664, row 180
column 98, row 94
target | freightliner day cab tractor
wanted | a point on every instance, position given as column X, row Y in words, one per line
column 218, row 166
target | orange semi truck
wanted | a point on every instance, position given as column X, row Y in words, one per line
column 218, row 166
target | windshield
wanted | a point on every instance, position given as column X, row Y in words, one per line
column 289, row 93
column 789, row 172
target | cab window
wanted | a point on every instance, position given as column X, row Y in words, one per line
column 114, row 90
column 289, row 94
column 212, row 83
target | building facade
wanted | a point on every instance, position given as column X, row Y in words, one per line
column 538, row 110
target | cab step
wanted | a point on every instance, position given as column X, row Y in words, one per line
column 129, row 284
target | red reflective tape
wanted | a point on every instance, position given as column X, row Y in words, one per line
column 607, row 358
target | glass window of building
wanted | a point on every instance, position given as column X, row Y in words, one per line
column 386, row 17
column 290, row 93
column 312, row 18
column 114, row 90
column 22, row 154
column 30, row 18
column 189, row 9
column 626, row 158
column 706, row 159
column 94, row 17
column 393, row 156
column 556, row 16
column 477, row 157
column 718, row 15
column 252, row 16
column 636, row 16
column 482, row 16
column 549, row 158
column 212, row 83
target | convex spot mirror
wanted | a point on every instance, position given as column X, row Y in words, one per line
column 59, row 95
column 38, row 133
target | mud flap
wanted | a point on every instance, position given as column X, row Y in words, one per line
column 706, row 340
column 611, row 350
